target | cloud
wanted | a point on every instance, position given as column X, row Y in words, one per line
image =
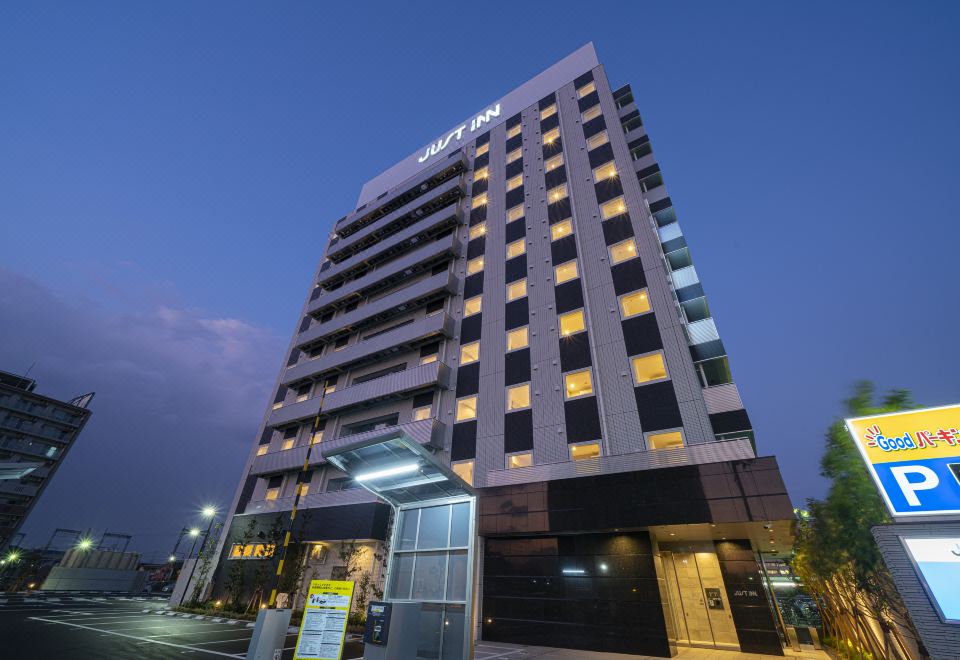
column 179, row 398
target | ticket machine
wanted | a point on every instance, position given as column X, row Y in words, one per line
column 391, row 631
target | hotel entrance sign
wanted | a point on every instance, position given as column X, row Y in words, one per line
column 914, row 458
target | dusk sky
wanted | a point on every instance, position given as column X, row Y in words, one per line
column 169, row 172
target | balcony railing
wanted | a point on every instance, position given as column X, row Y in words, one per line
column 722, row 398
column 293, row 412
column 432, row 326
column 314, row 501
column 344, row 248
column 700, row 332
column 445, row 281
column 279, row 461
column 425, row 432
column 393, row 385
column 398, row 242
column 448, row 245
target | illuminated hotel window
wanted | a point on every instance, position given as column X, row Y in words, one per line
column 549, row 111
column 613, row 208
column 586, row 89
column 316, row 437
column 524, row 459
column 514, row 155
column 584, row 451
column 479, row 201
column 605, row 171
column 515, row 130
column 591, row 113
column 516, row 248
column 648, row 368
column 482, row 173
column 622, row 251
column 475, row 265
column 428, row 359
column 252, row 550
column 553, row 163
column 516, row 339
column 516, row 290
column 288, row 444
column 466, row 408
column 471, row 306
column 422, row 413
column 551, row 136
column 634, row 303
column 331, row 387
column 561, row 229
column 556, row 194
column 469, row 353
column 565, row 272
column 464, row 470
column 515, row 213
column 665, row 440
column 514, row 182
column 597, row 140
column 578, row 384
column 272, row 494
column 304, row 489
column 477, row 231
column 483, row 148
column 572, row 323
column 262, row 449
column 518, row 397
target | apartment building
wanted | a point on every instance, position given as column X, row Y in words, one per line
column 519, row 298
column 36, row 432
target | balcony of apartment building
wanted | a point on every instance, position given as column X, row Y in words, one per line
column 43, row 410
column 423, row 230
column 423, row 183
column 313, row 501
column 34, row 428
column 399, row 383
column 437, row 198
column 385, row 276
column 398, row 300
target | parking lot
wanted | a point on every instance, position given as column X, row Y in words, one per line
column 121, row 628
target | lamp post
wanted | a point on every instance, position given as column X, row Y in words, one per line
column 208, row 512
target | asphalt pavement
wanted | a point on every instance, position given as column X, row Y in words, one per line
column 98, row 627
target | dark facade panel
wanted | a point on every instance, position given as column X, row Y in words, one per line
column 589, row 100
column 641, row 334
column 482, row 160
column 468, row 379
column 550, row 123
column 657, row 406
column 600, row 155
column 690, row 292
column 515, row 142
column 664, row 203
column 575, row 352
column 564, row 249
column 518, row 431
column 515, row 197
column 464, row 445
column 628, row 276
column 517, row 367
column 514, row 231
column 559, row 210
column 582, row 419
column 730, row 421
column 473, row 285
column 594, row 126
column 476, row 247
column 515, row 269
column 569, row 296
column 749, row 607
column 555, row 177
column 514, row 168
column 710, row 349
column 517, row 313
column 617, row 229
column 608, row 189
column 470, row 328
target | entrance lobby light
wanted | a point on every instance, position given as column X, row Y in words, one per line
column 389, row 472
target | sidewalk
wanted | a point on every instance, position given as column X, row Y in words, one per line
column 498, row 651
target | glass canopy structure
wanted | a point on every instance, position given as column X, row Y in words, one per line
column 432, row 555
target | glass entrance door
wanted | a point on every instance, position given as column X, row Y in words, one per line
column 698, row 599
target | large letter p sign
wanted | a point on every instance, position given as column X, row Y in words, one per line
column 901, row 474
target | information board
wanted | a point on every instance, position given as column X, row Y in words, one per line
column 324, row 624
column 914, row 457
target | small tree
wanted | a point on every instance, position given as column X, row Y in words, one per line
column 265, row 568
column 205, row 559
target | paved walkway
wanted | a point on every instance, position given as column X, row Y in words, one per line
column 498, row 651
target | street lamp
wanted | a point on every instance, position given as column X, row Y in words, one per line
column 208, row 512
column 85, row 543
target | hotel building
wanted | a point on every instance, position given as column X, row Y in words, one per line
column 518, row 297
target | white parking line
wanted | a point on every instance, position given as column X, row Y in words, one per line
column 140, row 639
column 223, row 641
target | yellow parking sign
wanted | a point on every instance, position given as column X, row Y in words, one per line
column 324, row 623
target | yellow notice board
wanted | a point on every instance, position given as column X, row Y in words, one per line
column 324, row 622
column 914, row 457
